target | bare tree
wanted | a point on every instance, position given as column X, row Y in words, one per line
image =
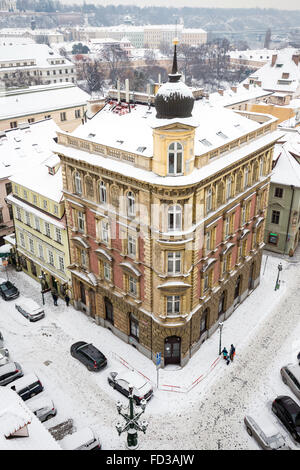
column 116, row 60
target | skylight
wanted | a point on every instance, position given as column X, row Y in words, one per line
column 221, row 134
column 141, row 149
column 91, row 135
column 206, row 142
column 120, row 141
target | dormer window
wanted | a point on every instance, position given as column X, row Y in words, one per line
column 175, row 159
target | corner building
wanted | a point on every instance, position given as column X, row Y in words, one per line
column 166, row 207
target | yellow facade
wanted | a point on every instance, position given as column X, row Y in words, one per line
column 41, row 238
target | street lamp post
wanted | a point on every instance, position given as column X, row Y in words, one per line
column 42, row 279
column 132, row 425
column 220, row 341
column 277, row 285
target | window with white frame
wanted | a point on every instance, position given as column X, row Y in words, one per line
column 50, row 257
column 104, row 231
column 19, row 215
column 132, row 285
column 41, row 251
column 243, row 215
column 175, row 159
column 61, row 263
column 208, row 200
column 55, row 208
column 80, row 221
column 102, row 192
column 106, row 271
column 58, row 234
column 78, row 183
column 27, row 215
column 45, row 204
column 173, row 304
column 174, row 262
column 208, row 241
column 22, row 239
column 175, row 217
column 31, row 245
column 227, row 227
column 130, row 204
column 47, row 229
column 37, row 224
column 131, row 245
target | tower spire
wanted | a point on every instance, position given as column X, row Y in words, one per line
column 174, row 76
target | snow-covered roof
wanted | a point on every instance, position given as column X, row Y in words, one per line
column 40, row 53
column 272, row 77
column 241, row 94
column 26, row 146
column 258, row 55
column 287, row 169
column 132, row 132
column 14, row 414
column 40, row 99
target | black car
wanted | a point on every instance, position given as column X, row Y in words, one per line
column 288, row 411
column 8, row 291
column 89, row 355
column 298, row 357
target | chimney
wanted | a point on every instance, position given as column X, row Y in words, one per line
column 127, row 90
column 221, row 92
column 274, row 58
column 295, row 58
column 246, row 85
column 159, row 78
column 234, row 88
column 119, row 93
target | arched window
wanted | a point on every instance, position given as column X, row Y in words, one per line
column 102, row 192
column 175, row 218
column 130, row 204
column 175, row 158
column 78, row 184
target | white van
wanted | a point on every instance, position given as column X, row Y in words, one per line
column 85, row 439
column 43, row 407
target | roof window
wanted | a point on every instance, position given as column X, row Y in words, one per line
column 221, row 134
column 206, row 142
column 141, row 149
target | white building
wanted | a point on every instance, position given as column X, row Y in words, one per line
column 38, row 63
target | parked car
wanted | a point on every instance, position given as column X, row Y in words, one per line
column 27, row 386
column 43, row 407
column 142, row 389
column 290, row 375
column 298, row 357
column 10, row 372
column 89, row 355
column 9, row 291
column 1, row 340
column 84, row 439
column 288, row 411
column 4, row 356
column 30, row 309
column 265, row 432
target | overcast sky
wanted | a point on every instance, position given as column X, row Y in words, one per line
column 282, row 5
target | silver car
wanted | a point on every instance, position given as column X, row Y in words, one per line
column 30, row 309
column 43, row 407
column 10, row 372
column 1, row 340
column 290, row 375
column 4, row 356
column 265, row 432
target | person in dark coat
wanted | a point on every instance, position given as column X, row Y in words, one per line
column 55, row 297
column 225, row 355
column 67, row 299
column 232, row 352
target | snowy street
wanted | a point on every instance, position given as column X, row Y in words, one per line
column 265, row 330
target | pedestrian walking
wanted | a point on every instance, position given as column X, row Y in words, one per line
column 225, row 355
column 55, row 297
column 232, row 352
column 67, row 299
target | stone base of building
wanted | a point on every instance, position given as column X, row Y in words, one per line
column 176, row 344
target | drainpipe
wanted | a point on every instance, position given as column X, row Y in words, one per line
column 288, row 225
